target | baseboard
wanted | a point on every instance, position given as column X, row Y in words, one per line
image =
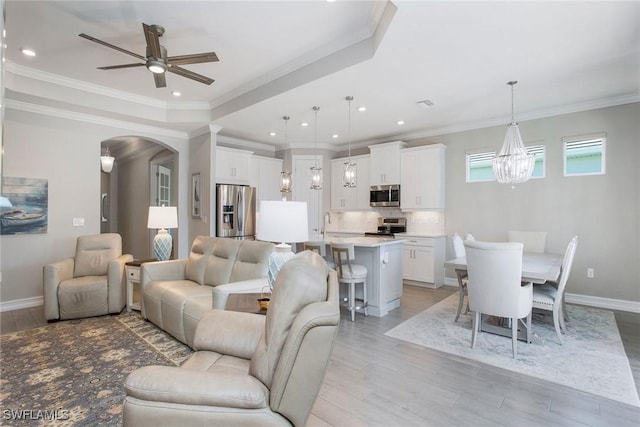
column 599, row 302
column 17, row 304
column 608, row 303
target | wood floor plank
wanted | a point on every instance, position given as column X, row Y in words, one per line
column 374, row 380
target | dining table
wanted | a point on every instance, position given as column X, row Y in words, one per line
column 536, row 268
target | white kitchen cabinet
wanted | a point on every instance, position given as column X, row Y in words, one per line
column 265, row 177
column 354, row 198
column 385, row 163
column 423, row 261
column 422, row 177
column 233, row 166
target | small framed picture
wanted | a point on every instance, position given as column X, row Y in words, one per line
column 196, row 191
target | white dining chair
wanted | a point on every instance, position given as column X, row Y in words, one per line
column 533, row 241
column 350, row 274
column 494, row 287
column 551, row 298
column 458, row 251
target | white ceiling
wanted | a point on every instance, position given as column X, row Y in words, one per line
column 281, row 58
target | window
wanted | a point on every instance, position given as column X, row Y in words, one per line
column 480, row 165
column 584, row 155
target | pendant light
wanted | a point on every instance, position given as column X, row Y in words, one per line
column 513, row 165
column 349, row 171
column 285, row 176
column 106, row 161
column 316, row 171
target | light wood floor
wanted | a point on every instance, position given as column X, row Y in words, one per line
column 374, row 380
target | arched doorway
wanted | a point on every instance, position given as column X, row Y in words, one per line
column 145, row 174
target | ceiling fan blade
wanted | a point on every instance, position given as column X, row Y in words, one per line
column 193, row 59
column 153, row 40
column 116, row 67
column 93, row 39
column 160, row 80
column 190, row 75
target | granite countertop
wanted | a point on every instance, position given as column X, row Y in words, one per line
column 417, row 234
column 370, row 242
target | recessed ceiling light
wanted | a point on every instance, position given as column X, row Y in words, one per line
column 272, row 134
column 400, row 122
column 176, row 93
column 362, row 108
column 335, row 135
column 304, row 124
column 28, row 52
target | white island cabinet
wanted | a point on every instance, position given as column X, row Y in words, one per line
column 383, row 259
column 423, row 260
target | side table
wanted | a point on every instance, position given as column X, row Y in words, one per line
column 132, row 270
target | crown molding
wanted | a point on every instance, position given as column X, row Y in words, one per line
column 244, row 144
column 59, row 80
column 97, row 120
column 534, row 115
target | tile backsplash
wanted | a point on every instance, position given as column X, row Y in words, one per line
column 423, row 222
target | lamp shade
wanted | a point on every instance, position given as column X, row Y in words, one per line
column 106, row 163
column 162, row 217
column 283, row 221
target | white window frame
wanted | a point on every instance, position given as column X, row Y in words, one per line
column 585, row 139
column 538, row 149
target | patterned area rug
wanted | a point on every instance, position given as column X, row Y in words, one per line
column 72, row 372
column 592, row 358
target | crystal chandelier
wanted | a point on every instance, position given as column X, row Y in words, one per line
column 316, row 171
column 285, row 176
column 349, row 173
column 513, row 165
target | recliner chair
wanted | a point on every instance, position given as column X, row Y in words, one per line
column 92, row 283
column 249, row 369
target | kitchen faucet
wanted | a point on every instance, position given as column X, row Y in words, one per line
column 326, row 220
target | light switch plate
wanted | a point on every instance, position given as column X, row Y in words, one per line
column 78, row 222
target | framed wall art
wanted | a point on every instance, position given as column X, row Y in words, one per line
column 196, row 191
column 24, row 206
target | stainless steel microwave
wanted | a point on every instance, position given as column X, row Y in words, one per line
column 387, row 196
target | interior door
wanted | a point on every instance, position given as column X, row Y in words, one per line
column 303, row 193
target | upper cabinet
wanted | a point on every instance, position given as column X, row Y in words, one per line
column 265, row 176
column 422, row 180
column 233, row 166
column 385, row 163
column 354, row 198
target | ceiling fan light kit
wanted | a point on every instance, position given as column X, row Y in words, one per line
column 156, row 59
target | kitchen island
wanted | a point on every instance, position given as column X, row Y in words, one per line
column 383, row 259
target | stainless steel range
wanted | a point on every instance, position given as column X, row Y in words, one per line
column 388, row 227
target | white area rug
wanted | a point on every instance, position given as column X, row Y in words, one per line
column 592, row 358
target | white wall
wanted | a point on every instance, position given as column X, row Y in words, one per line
column 66, row 153
column 603, row 210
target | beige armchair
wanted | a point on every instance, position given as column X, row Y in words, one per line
column 249, row 369
column 92, row 283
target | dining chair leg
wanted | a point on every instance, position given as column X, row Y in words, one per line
column 556, row 324
column 474, row 328
column 460, row 303
column 563, row 316
column 514, row 336
column 529, row 326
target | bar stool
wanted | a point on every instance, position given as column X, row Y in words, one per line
column 321, row 249
column 350, row 274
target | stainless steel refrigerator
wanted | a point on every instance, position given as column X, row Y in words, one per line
column 236, row 211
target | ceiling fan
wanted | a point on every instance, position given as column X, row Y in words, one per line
column 157, row 60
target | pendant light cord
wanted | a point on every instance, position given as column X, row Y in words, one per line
column 349, row 99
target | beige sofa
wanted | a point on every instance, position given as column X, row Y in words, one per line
column 176, row 293
column 249, row 369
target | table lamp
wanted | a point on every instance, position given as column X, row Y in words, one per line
column 282, row 221
column 162, row 217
